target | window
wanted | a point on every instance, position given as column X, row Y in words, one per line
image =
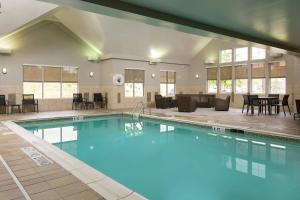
column 134, row 82
column 226, row 79
column 50, row 82
column 258, row 78
column 258, row 53
column 33, row 81
column 241, row 79
column 226, row 56
column 167, row 83
column 278, row 78
column 69, row 82
column 212, row 76
column 241, row 54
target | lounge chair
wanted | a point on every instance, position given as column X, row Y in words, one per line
column 29, row 101
column 3, row 104
column 222, row 104
column 297, row 115
column 100, row 101
column 77, row 101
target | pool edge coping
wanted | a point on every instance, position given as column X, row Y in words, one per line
column 97, row 181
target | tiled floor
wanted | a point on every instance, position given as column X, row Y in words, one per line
column 50, row 182
column 55, row 182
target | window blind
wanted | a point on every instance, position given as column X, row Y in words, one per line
column 134, row 76
column 32, row 74
column 277, row 70
column 212, row 73
column 70, row 74
column 226, row 73
column 241, row 72
column 52, row 74
column 258, row 70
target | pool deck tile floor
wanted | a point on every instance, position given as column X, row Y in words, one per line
column 51, row 182
column 56, row 182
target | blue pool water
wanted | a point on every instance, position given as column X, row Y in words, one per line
column 173, row 161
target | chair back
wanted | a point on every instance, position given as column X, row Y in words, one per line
column 86, row 96
column 77, row 98
column 2, row 100
column 274, row 101
column 298, row 106
column 12, row 100
column 285, row 100
column 253, row 99
column 98, row 97
column 28, row 99
column 246, row 99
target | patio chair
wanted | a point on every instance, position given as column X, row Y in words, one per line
column 274, row 103
column 3, row 104
column 77, row 101
column 285, row 102
column 297, row 115
column 246, row 101
column 222, row 104
column 29, row 101
column 100, row 101
column 254, row 102
column 87, row 103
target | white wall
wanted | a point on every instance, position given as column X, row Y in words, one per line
column 48, row 44
column 117, row 66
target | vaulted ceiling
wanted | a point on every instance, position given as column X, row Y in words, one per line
column 108, row 36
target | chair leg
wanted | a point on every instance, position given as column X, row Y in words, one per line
column 289, row 109
column 283, row 110
column 243, row 108
column 247, row 109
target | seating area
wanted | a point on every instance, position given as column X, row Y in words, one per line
column 84, row 103
column 265, row 105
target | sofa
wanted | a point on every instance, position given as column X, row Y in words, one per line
column 190, row 102
column 222, row 104
column 164, row 102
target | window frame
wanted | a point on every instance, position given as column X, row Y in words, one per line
column 270, row 85
column 236, row 79
column 133, row 85
column 220, row 56
column 235, row 57
column 217, row 80
column 221, row 80
column 43, row 79
column 257, row 59
column 168, row 83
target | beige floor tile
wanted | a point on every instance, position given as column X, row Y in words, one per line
column 46, row 195
column 71, row 189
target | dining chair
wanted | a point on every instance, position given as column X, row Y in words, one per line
column 254, row 102
column 273, row 103
column 246, row 101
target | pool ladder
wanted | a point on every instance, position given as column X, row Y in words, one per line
column 138, row 110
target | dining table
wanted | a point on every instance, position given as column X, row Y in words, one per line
column 265, row 103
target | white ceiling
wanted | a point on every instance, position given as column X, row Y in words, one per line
column 110, row 36
column 116, row 37
column 16, row 13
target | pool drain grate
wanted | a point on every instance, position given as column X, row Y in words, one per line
column 36, row 156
